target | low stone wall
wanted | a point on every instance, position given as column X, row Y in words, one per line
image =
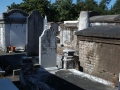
column 60, row 62
column 100, row 57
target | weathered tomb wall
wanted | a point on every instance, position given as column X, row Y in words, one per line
column 2, row 37
column 100, row 57
column 13, row 29
column 67, row 37
column 16, row 35
column 47, row 49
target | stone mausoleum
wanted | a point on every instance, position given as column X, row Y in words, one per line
column 13, row 29
column 99, row 48
column 67, row 28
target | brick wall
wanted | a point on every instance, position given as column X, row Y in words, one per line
column 100, row 57
column 88, row 56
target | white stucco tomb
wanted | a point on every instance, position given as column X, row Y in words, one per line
column 47, row 49
column 13, row 29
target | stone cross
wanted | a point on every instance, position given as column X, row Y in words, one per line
column 47, row 49
column 34, row 30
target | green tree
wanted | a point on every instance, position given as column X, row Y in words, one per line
column 13, row 6
column 116, row 7
column 43, row 6
column 80, row 5
column 103, row 4
column 86, row 5
column 63, row 9
column 103, row 7
column 90, row 5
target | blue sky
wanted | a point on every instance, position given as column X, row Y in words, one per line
column 5, row 3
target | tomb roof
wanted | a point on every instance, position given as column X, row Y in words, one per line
column 69, row 24
column 108, row 31
column 8, row 17
column 105, row 18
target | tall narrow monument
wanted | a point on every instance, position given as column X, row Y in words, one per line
column 34, row 30
column 84, row 20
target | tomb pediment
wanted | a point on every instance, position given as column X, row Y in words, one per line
column 15, row 13
column 15, row 16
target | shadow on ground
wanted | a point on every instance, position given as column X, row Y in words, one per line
column 44, row 80
column 10, row 61
column 61, row 84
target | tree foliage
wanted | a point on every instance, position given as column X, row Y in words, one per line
column 116, row 7
column 103, row 9
column 62, row 10
column 43, row 6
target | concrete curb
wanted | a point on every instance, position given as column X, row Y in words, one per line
column 92, row 78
